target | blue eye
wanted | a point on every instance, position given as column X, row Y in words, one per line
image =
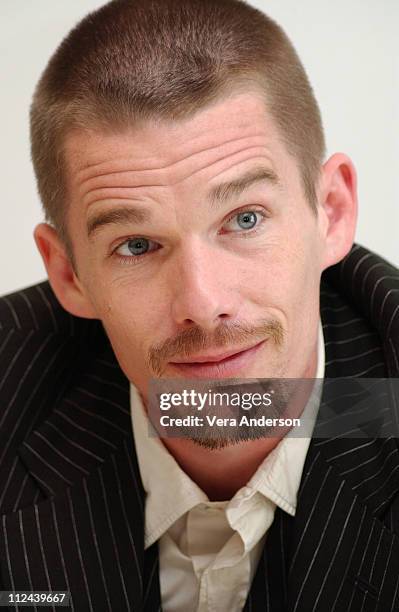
column 247, row 220
column 136, row 246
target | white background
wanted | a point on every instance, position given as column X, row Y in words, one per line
column 350, row 50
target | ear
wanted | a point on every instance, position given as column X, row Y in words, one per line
column 61, row 274
column 338, row 199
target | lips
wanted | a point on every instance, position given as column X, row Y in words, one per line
column 214, row 358
column 222, row 365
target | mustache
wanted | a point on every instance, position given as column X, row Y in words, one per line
column 195, row 339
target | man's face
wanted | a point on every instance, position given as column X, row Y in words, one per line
column 202, row 245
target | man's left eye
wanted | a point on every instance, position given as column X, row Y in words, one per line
column 246, row 220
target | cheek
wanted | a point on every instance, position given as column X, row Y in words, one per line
column 126, row 318
column 131, row 317
column 286, row 269
column 286, row 275
column 127, row 330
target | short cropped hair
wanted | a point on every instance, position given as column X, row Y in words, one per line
column 135, row 60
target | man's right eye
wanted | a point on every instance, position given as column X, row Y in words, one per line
column 136, row 247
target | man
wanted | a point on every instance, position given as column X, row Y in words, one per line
column 194, row 232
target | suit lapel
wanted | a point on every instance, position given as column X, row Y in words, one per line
column 337, row 552
column 88, row 535
column 341, row 553
column 87, row 539
column 342, row 550
column 89, row 424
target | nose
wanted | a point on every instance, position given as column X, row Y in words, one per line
column 205, row 287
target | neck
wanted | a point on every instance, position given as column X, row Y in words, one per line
column 231, row 467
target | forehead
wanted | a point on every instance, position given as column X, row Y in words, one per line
column 240, row 122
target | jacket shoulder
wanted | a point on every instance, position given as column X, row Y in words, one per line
column 41, row 344
column 370, row 285
column 35, row 308
column 43, row 351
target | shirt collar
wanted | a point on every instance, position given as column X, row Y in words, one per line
column 279, row 475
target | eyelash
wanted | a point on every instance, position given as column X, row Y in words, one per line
column 125, row 260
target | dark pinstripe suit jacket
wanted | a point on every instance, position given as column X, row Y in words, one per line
column 71, row 499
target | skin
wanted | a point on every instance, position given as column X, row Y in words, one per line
column 205, row 273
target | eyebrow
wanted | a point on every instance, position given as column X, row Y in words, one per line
column 117, row 216
column 225, row 191
column 217, row 195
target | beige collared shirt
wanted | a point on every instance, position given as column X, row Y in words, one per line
column 209, row 551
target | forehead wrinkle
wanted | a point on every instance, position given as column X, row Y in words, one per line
column 114, row 193
column 116, row 180
column 249, row 153
column 87, row 169
column 127, row 192
column 227, row 163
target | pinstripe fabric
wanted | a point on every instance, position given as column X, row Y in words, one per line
column 71, row 499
